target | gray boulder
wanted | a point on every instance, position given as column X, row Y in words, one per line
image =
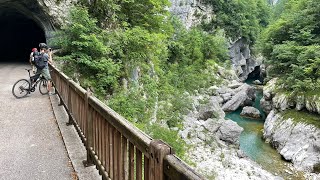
column 212, row 125
column 211, row 109
column 235, row 85
column 250, row 112
column 266, row 106
column 300, row 103
column 226, row 97
column 229, row 132
column 257, row 82
column 269, row 88
column 245, row 95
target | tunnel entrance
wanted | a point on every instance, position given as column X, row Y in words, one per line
column 18, row 34
column 254, row 75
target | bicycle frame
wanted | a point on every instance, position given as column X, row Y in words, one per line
column 34, row 80
column 23, row 87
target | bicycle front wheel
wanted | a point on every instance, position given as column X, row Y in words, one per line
column 43, row 86
column 21, row 88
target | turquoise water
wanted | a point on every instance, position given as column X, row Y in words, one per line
column 253, row 145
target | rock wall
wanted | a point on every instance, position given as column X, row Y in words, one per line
column 296, row 142
column 243, row 62
column 192, row 12
column 284, row 101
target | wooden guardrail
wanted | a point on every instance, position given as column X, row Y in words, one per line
column 119, row 150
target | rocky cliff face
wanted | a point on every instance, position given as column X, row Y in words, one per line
column 192, row 12
column 242, row 60
column 296, row 142
column 284, row 101
column 293, row 135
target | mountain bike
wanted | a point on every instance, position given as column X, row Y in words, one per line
column 23, row 87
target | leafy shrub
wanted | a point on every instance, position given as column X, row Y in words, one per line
column 82, row 45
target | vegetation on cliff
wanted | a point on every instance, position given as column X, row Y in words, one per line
column 291, row 46
column 239, row 18
column 143, row 62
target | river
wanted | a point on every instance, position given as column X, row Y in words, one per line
column 253, row 145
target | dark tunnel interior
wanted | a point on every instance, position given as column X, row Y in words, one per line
column 18, row 34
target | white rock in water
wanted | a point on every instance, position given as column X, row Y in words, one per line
column 251, row 112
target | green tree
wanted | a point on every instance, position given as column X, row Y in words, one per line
column 85, row 53
column 148, row 14
column 291, row 45
column 239, row 18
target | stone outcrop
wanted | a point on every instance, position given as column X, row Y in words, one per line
column 265, row 105
column 244, row 95
column 211, row 109
column 250, row 112
column 241, row 58
column 312, row 103
column 214, row 141
column 296, row 142
column 191, row 12
column 229, row 132
column 284, row 101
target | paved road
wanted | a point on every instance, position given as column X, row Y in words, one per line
column 31, row 146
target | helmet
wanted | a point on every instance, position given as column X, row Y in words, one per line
column 34, row 49
column 43, row 46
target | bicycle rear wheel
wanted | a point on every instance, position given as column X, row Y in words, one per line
column 43, row 86
column 21, row 88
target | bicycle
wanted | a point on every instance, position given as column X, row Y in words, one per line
column 23, row 87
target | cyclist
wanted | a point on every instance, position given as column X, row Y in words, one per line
column 31, row 59
column 47, row 55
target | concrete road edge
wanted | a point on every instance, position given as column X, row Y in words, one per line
column 75, row 148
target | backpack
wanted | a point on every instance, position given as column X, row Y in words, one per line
column 39, row 60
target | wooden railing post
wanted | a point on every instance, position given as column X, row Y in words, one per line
column 69, row 104
column 158, row 151
column 89, row 133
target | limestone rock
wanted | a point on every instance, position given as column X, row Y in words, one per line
column 230, row 132
column 300, row 103
column 191, row 12
column 226, row 97
column 211, row 110
column 281, row 101
column 251, row 112
column 269, row 88
column 241, row 58
column 266, row 106
column 235, row 85
column 296, row 142
column 245, row 94
column 212, row 125
column 313, row 103
column 257, row 82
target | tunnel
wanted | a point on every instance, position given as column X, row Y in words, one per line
column 22, row 27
